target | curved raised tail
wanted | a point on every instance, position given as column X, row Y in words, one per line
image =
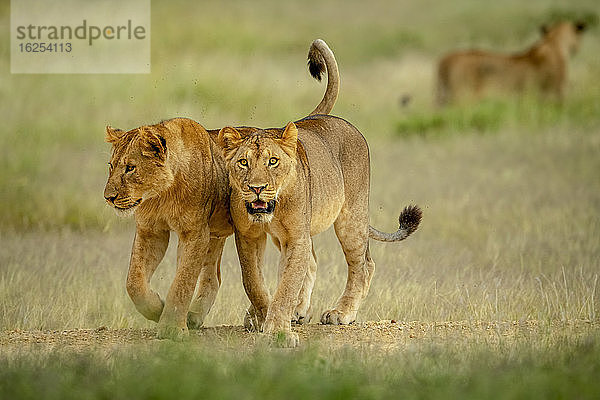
column 409, row 221
column 320, row 58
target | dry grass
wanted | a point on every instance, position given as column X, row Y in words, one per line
column 509, row 233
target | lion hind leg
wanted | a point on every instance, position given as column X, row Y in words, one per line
column 352, row 231
column 209, row 282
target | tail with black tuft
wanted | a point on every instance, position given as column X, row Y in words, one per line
column 409, row 220
column 316, row 63
column 321, row 59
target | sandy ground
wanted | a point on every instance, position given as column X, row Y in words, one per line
column 386, row 334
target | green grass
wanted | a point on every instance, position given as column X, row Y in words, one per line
column 510, row 192
column 493, row 115
column 567, row 368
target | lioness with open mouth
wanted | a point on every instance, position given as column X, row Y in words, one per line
column 293, row 183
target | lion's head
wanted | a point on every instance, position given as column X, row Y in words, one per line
column 137, row 167
column 260, row 163
column 566, row 35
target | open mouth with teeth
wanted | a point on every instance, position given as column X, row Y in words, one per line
column 260, row 207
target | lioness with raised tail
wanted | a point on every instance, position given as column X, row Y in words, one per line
column 542, row 69
column 292, row 183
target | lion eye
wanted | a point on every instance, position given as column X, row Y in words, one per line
column 243, row 162
column 129, row 168
column 273, row 161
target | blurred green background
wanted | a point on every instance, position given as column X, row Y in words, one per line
column 244, row 63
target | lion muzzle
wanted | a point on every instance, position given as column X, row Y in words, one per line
column 260, row 207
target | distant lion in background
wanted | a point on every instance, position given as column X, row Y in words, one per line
column 542, row 69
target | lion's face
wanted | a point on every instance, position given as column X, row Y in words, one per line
column 260, row 164
column 137, row 168
column 566, row 34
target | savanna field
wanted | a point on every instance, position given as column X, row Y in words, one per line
column 495, row 296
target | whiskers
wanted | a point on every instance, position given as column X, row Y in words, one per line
column 266, row 195
column 125, row 206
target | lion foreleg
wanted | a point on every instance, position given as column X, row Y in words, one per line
column 191, row 251
column 302, row 314
column 294, row 259
column 251, row 252
column 149, row 248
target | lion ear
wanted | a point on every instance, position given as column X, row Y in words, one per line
column 580, row 26
column 113, row 135
column 156, row 145
column 229, row 138
column 289, row 139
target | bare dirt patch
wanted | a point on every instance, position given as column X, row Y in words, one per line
column 382, row 334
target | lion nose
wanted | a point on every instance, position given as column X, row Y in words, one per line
column 110, row 195
column 110, row 199
column 257, row 189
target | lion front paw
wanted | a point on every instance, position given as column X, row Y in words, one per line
column 281, row 333
column 336, row 317
column 172, row 332
column 253, row 321
column 149, row 305
column 302, row 317
column 195, row 320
